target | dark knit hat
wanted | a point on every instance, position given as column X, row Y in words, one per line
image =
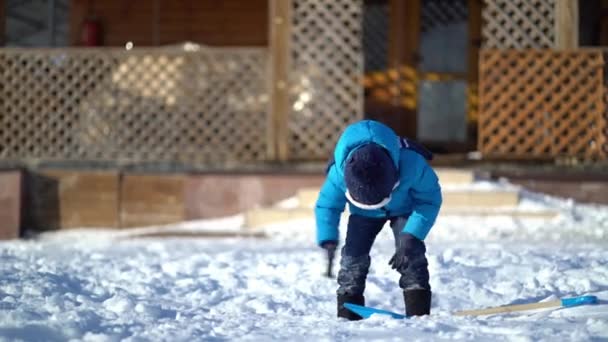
column 370, row 175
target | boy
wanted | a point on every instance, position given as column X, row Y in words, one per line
column 384, row 178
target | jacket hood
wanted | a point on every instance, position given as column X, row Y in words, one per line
column 365, row 132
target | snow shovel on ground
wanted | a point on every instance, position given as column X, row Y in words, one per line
column 366, row 311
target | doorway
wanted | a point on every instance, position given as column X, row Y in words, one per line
column 420, row 69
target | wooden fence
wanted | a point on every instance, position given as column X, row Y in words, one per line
column 540, row 96
column 518, row 24
column 151, row 105
column 199, row 107
column 326, row 61
column 543, row 104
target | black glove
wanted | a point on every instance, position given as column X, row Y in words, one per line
column 408, row 247
column 329, row 245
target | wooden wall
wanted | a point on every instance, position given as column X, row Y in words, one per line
column 61, row 199
column 66, row 199
column 161, row 22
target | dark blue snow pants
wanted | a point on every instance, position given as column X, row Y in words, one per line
column 354, row 266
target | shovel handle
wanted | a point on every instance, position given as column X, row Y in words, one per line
column 564, row 302
column 331, row 253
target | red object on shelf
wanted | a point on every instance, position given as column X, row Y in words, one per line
column 91, row 34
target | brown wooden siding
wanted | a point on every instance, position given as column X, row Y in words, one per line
column 209, row 22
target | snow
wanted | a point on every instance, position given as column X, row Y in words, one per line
column 101, row 285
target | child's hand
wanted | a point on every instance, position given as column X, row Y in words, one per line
column 408, row 247
column 329, row 245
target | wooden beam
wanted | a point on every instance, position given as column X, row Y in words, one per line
column 2, row 22
column 10, row 204
column 77, row 14
column 404, row 33
column 566, row 24
column 150, row 199
column 604, row 23
column 475, row 40
column 475, row 7
column 279, row 32
column 400, row 111
column 58, row 199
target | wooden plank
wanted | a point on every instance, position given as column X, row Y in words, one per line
column 260, row 217
column 603, row 27
column 215, row 195
column 475, row 10
column 280, row 27
column 10, row 204
column 398, row 106
column 78, row 11
column 70, row 199
column 151, row 200
column 199, row 234
column 2, row 22
column 87, row 199
column 451, row 198
column 404, row 33
column 566, row 24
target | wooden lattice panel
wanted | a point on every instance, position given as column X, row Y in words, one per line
column 518, row 24
column 325, row 73
column 541, row 103
column 153, row 105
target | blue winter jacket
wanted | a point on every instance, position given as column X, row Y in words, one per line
column 418, row 195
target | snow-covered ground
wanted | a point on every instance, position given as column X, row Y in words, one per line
column 86, row 285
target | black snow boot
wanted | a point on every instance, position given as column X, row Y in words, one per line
column 353, row 299
column 417, row 302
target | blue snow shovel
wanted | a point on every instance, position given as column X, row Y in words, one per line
column 366, row 311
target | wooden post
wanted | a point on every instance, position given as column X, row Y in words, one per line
column 475, row 7
column 403, row 58
column 404, row 33
column 279, row 31
column 604, row 23
column 2, row 22
column 475, row 39
column 566, row 24
column 77, row 14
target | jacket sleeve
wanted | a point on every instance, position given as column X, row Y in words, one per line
column 426, row 196
column 329, row 208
